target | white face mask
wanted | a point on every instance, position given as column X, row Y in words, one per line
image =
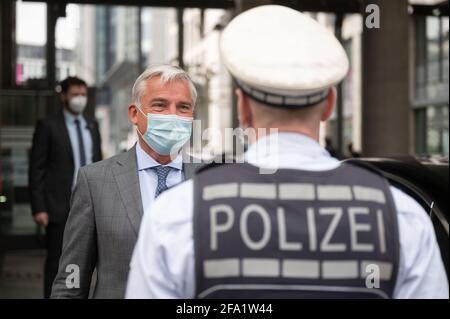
column 78, row 103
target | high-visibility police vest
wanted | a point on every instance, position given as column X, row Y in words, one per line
column 294, row 234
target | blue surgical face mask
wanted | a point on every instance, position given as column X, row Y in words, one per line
column 166, row 133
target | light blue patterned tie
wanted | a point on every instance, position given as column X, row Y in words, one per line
column 161, row 172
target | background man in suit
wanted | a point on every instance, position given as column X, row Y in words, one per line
column 110, row 196
column 62, row 143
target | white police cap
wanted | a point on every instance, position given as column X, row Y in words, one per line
column 282, row 57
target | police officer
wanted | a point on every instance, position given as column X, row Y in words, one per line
column 314, row 227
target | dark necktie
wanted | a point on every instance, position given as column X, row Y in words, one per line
column 161, row 172
column 80, row 144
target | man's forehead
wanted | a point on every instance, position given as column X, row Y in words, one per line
column 77, row 87
column 155, row 88
column 157, row 82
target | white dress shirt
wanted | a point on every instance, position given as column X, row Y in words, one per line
column 148, row 180
column 162, row 265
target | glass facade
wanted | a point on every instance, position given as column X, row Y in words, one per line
column 146, row 29
column 101, row 60
column 348, row 105
column 432, row 134
column 431, row 85
column 19, row 111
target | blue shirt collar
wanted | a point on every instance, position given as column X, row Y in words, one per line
column 69, row 117
column 145, row 161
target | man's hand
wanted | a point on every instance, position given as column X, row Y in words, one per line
column 41, row 218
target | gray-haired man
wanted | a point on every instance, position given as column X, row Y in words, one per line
column 111, row 195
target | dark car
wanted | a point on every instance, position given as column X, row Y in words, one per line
column 427, row 181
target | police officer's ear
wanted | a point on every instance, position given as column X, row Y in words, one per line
column 243, row 108
column 328, row 105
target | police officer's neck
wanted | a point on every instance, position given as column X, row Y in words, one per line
column 297, row 130
column 161, row 159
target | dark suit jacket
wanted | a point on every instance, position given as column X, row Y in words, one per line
column 51, row 165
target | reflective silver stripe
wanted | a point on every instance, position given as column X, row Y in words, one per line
column 340, row 269
column 258, row 95
column 274, row 99
column 258, row 190
column 296, row 268
column 360, row 227
column 369, row 194
column 384, row 267
column 215, row 227
column 342, row 289
column 334, row 192
column 293, row 268
column 226, row 190
column 296, row 100
column 260, row 267
column 299, row 191
column 219, row 268
column 312, row 234
column 381, row 232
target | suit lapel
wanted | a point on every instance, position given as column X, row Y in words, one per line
column 62, row 128
column 127, row 179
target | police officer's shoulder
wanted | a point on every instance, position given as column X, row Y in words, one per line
column 365, row 165
column 218, row 161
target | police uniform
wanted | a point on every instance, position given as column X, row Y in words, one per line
column 315, row 227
